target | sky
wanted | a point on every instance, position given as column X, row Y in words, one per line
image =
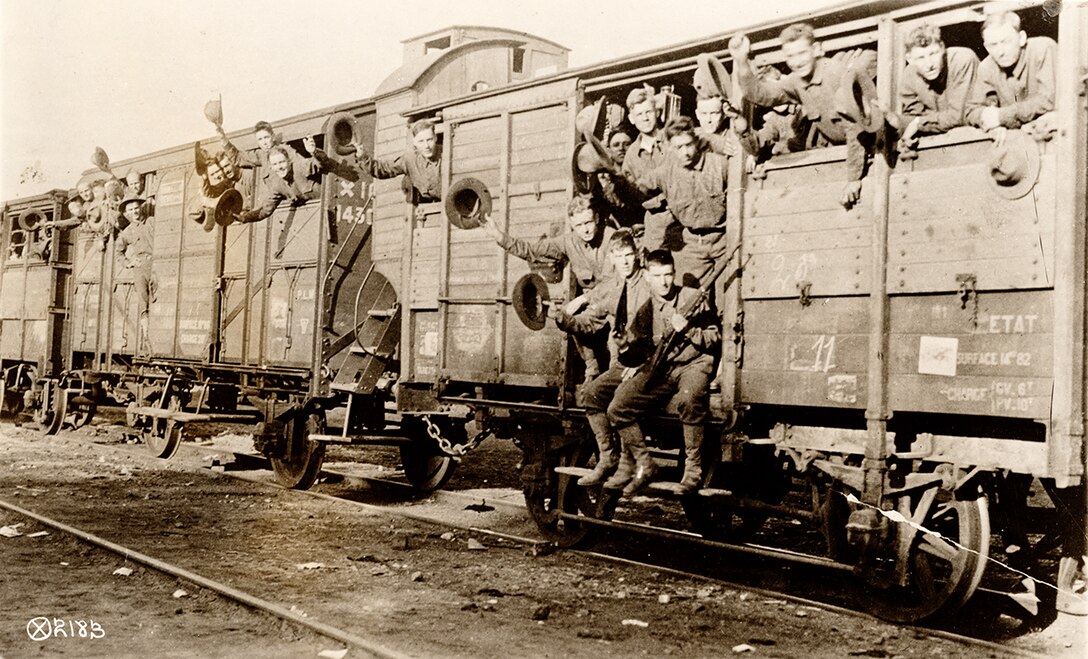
column 132, row 76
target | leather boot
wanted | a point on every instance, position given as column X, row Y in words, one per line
column 693, row 459
column 608, row 451
column 624, row 472
column 645, row 468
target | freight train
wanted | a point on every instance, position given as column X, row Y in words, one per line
column 901, row 362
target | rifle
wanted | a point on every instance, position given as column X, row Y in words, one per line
column 669, row 341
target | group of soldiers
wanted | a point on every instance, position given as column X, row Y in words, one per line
column 648, row 223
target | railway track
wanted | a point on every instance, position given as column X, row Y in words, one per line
column 614, row 552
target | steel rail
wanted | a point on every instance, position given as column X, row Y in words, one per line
column 222, row 589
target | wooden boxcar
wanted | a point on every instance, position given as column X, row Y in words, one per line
column 903, row 357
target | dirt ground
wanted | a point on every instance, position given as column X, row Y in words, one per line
column 412, row 586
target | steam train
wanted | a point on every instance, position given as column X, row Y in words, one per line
column 898, row 361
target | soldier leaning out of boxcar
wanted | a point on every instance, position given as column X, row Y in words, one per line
column 1015, row 85
column 646, row 153
column 134, row 244
column 294, row 180
column 266, row 139
column 935, row 84
column 584, row 246
column 815, row 83
column 218, row 173
column 693, row 180
column 421, row 166
column 684, row 377
column 609, row 305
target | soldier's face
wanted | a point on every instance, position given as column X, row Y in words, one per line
column 279, row 164
column 99, row 192
column 618, row 145
column 709, row 113
column 265, row 139
column 928, row 60
column 685, row 147
column 624, row 260
column 132, row 212
column 134, row 182
column 425, row 142
column 1004, row 43
column 584, row 225
column 644, row 117
column 85, row 192
column 75, row 207
column 660, row 278
column 800, row 55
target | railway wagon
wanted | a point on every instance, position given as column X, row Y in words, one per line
column 904, row 360
column 35, row 283
column 280, row 321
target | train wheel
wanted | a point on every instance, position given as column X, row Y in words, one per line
column 164, row 435
column 945, row 563
column 426, row 467
column 80, row 411
column 560, row 493
column 300, row 465
column 50, row 416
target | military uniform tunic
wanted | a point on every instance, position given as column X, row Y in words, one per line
column 1022, row 94
column 940, row 105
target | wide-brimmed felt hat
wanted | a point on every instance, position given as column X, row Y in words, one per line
column 591, row 157
column 599, row 118
column 467, row 200
column 1014, row 165
column 711, row 79
column 131, row 199
column 100, row 160
column 213, row 111
column 227, row 206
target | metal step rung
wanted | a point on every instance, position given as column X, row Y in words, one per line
column 573, row 471
column 369, row 350
column 381, row 313
column 338, row 386
column 664, row 487
column 714, row 492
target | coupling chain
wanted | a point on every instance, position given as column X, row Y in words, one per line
column 448, row 447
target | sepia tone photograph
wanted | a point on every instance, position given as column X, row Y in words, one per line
column 476, row 329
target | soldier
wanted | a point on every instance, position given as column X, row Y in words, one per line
column 295, row 180
column 218, row 174
column 135, row 244
column 266, row 139
column 646, row 153
column 584, row 246
column 685, row 376
column 935, row 84
column 609, row 305
column 813, row 83
column 1015, row 84
column 693, row 180
column 712, row 107
column 421, row 167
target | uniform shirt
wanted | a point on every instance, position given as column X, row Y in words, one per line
column 816, row 96
column 259, row 158
column 589, row 262
column 424, row 173
column 602, row 305
column 644, row 155
column 135, row 243
column 940, row 105
column 304, row 184
column 700, row 337
column 696, row 195
column 1021, row 94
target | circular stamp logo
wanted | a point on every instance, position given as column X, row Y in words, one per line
column 39, row 628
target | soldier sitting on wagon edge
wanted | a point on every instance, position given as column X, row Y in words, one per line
column 609, row 305
column 936, row 83
column 814, row 83
column 687, row 371
column 1015, row 85
column 584, row 246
